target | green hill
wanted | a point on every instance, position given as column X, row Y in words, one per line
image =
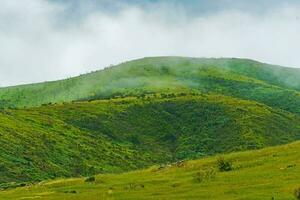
column 246, row 79
column 271, row 173
column 144, row 112
column 122, row 134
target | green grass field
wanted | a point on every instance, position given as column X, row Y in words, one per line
column 271, row 173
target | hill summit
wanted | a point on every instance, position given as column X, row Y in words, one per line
column 241, row 78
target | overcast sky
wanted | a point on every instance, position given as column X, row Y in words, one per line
column 53, row 39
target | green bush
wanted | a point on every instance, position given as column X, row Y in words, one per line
column 224, row 165
column 90, row 179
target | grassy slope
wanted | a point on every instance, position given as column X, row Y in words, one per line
column 271, row 173
column 232, row 104
column 246, row 79
column 129, row 133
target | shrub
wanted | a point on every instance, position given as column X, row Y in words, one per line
column 224, row 165
column 205, row 175
column 297, row 193
column 134, row 186
column 71, row 192
column 90, row 179
column 22, row 184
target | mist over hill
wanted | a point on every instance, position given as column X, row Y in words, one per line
column 241, row 78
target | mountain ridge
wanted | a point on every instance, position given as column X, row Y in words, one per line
column 137, row 59
column 129, row 77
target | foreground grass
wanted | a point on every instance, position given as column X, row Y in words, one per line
column 271, row 173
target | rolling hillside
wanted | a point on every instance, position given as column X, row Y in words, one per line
column 116, row 135
column 144, row 112
column 245, row 79
column 271, row 173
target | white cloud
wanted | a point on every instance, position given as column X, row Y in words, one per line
column 37, row 43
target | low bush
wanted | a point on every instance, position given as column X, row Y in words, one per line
column 205, row 175
column 224, row 165
column 90, row 179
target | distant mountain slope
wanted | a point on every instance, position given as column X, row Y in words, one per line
column 116, row 135
column 271, row 173
column 246, row 79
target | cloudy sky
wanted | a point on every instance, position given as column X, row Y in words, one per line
column 54, row 39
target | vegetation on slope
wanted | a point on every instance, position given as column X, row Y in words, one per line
column 85, row 138
column 152, row 110
column 246, row 79
column 271, row 173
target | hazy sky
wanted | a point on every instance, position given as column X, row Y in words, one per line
column 53, row 39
